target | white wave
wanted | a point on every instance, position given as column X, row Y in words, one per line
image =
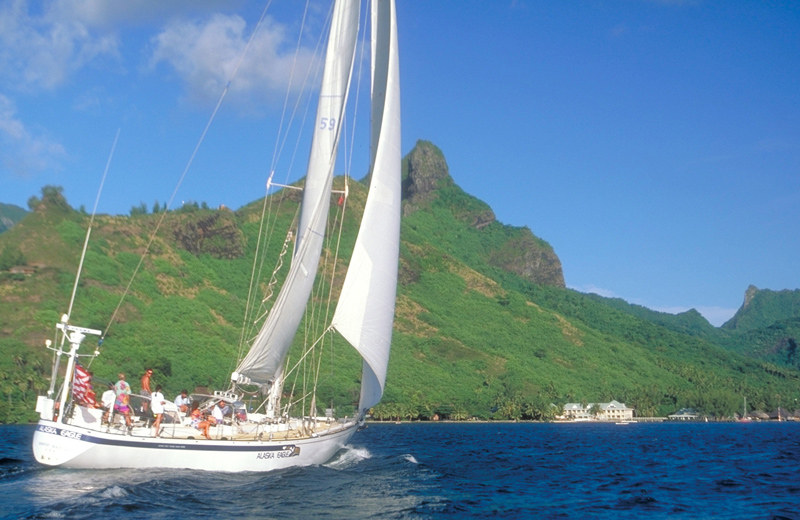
column 349, row 456
column 410, row 458
column 113, row 492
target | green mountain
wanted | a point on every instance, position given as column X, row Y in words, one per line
column 484, row 325
column 10, row 215
column 767, row 326
column 762, row 308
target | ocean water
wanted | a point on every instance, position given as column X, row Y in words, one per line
column 455, row 470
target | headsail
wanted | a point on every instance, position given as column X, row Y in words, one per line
column 269, row 349
column 365, row 312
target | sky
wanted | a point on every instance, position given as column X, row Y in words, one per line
column 654, row 144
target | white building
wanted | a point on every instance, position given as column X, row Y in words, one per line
column 684, row 414
column 613, row 411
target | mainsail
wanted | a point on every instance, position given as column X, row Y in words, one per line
column 269, row 349
column 365, row 311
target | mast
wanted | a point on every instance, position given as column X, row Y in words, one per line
column 75, row 336
column 269, row 349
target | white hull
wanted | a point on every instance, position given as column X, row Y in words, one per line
column 71, row 446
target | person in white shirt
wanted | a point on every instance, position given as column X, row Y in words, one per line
column 107, row 401
column 217, row 413
column 183, row 401
column 157, row 403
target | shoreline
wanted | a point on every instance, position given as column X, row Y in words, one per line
column 635, row 421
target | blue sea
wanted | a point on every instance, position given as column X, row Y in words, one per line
column 451, row 470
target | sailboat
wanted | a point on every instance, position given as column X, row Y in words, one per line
column 744, row 417
column 72, row 433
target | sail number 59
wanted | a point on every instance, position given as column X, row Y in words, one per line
column 327, row 123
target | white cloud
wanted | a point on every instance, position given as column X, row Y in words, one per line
column 110, row 14
column 205, row 55
column 25, row 154
column 40, row 50
column 102, row 13
column 42, row 45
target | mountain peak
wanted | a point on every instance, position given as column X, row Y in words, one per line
column 428, row 184
column 764, row 307
column 749, row 294
column 427, row 171
column 428, row 176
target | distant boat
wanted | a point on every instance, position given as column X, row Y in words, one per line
column 744, row 417
column 74, row 434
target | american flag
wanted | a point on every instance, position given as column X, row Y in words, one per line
column 82, row 387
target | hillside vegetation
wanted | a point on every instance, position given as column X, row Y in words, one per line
column 484, row 325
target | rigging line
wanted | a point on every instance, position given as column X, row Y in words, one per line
column 253, row 281
column 348, row 153
column 91, row 222
column 200, row 141
column 336, row 249
column 280, row 142
column 254, row 313
column 305, row 354
column 266, row 231
column 254, row 278
column 287, row 408
column 311, row 73
column 293, row 117
column 316, row 70
column 316, row 321
column 278, row 147
column 340, row 219
column 359, row 79
column 329, row 264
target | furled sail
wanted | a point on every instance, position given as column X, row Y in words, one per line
column 272, row 343
column 365, row 311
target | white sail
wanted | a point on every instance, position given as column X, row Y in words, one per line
column 365, row 311
column 272, row 343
